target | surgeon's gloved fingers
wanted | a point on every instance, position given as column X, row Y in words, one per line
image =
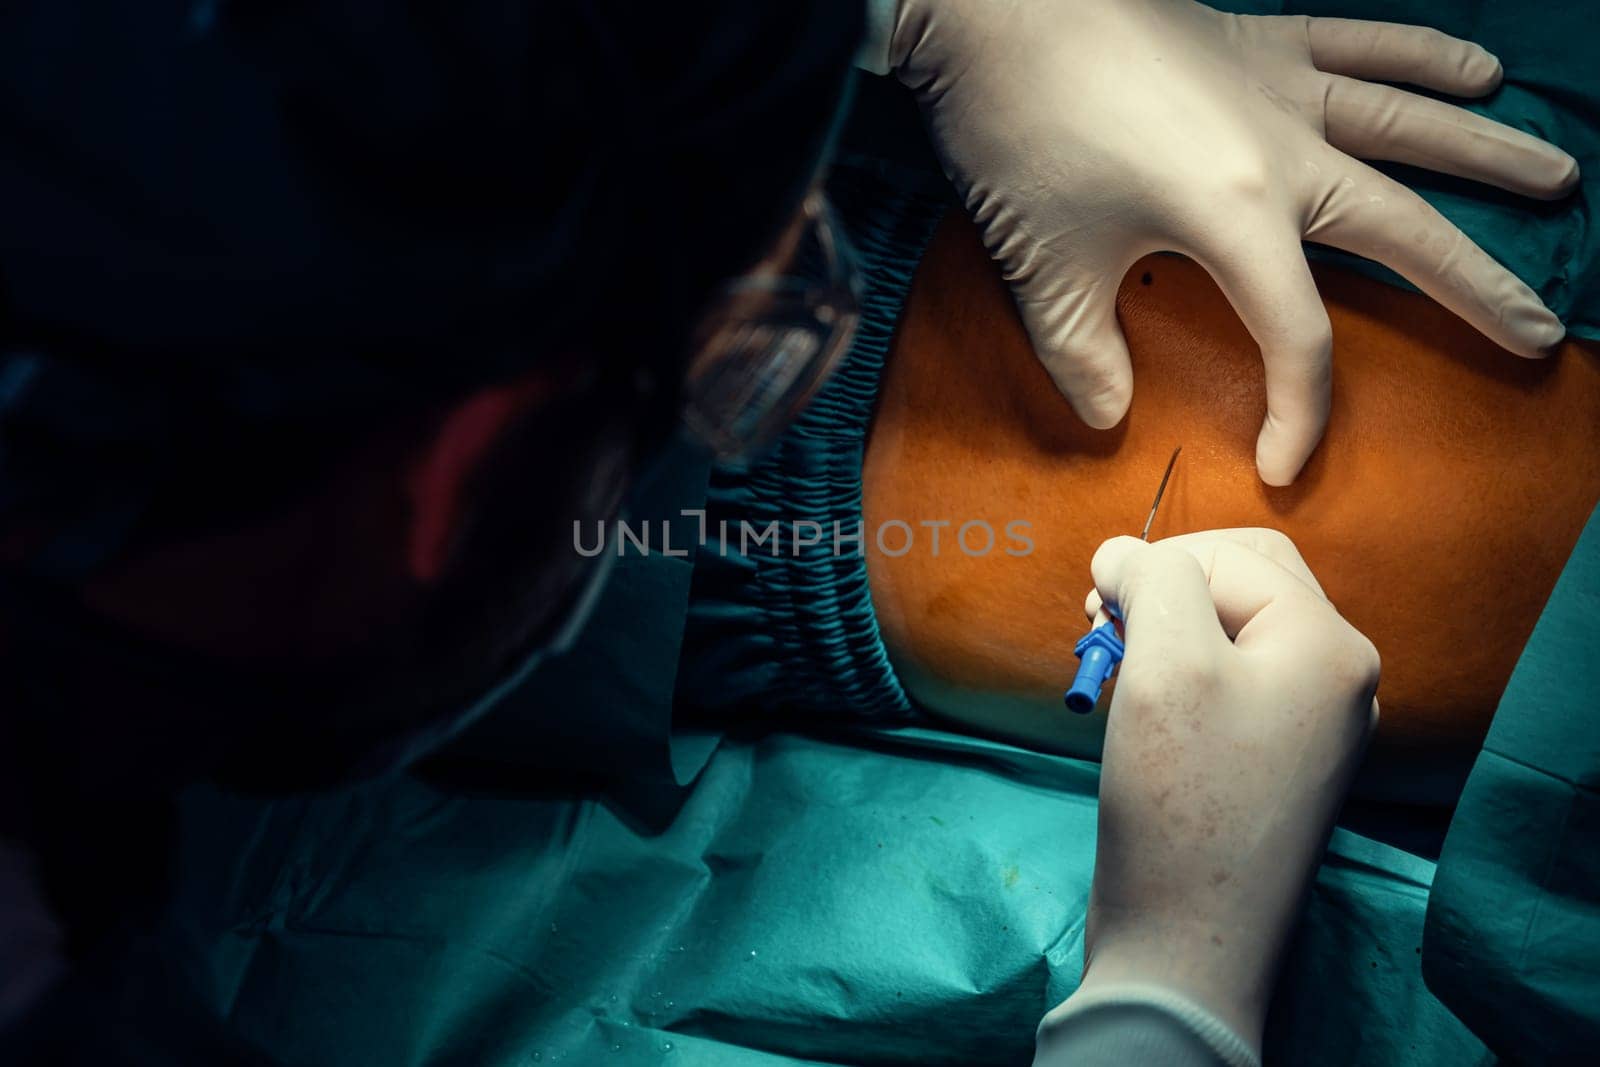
column 1247, row 587
column 1390, row 52
column 1245, row 571
column 1273, row 544
column 1162, row 596
column 1072, row 322
column 1269, row 283
column 1270, row 614
column 1372, row 215
column 1093, row 607
column 1378, row 122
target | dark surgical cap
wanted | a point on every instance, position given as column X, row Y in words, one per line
column 217, row 213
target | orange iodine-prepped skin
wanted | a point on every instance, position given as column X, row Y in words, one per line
column 1438, row 511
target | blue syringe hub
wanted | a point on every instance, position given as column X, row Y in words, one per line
column 1100, row 650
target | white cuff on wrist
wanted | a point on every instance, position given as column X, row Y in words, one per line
column 1228, row 1046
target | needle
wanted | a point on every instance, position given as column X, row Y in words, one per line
column 1144, row 535
column 1100, row 650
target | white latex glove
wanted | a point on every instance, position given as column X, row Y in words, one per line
column 1239, row 717
column 1084, row 134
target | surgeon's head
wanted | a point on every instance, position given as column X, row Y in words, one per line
column 456, row 304
column 649, row 187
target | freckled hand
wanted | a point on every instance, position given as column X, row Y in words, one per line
column 1238, row 722
column 1084, row 134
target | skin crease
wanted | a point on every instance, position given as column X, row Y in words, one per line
column 1437, row 513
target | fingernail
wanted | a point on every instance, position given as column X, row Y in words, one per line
column 1486, row 70
column 1572, row 175
column 1545, row 333
column 1102, row 405
column 1552, row 175
column 1274, row 462
column 1104, row 412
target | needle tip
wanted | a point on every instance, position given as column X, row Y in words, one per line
column 1144, row 535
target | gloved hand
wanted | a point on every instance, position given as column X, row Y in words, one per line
column 1084, row 134
column 1239, row 717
